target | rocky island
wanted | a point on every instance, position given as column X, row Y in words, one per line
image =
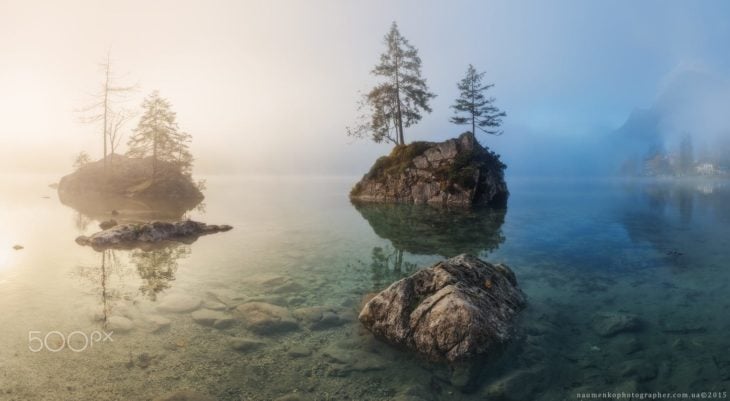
column 456, row 172
column 127, row 183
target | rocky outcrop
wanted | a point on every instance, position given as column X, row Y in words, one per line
column 137, row 235
column 457, row 172
column 127, row 183
column 455, row 310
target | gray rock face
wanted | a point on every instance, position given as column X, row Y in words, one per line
column 454, row 310
column 457, row 172
column 135, row 235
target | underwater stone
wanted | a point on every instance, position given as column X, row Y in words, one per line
column 519, row 385
column 264, row 318
column 179, row 303
column 206, row 317
column 184, row 395
column 639, row 369
column 119, row 324
column 456, row 309
column 243, row 344
column 608, row 324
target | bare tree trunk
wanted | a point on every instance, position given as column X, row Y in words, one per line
column 106, row 105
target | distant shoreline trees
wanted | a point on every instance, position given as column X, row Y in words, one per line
column 398, row 102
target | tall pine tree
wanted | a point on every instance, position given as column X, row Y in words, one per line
column 158, row 135
column 473, row 107
column 398, row 101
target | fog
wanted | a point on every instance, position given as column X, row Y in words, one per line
column 268, row 87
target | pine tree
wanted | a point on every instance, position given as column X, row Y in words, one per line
column 158, row 135
column 398, row 102
column 479, row 109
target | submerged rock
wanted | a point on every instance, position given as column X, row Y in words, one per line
column 608, row 324
column 184, row 395
column 134, row 235
column 457, row 309
column 458, row 172
column 245, row 344
column 179, row 303
column 264, row 318
column 206, row 317
column 119, row 324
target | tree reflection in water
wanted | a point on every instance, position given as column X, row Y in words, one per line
column 157, row 267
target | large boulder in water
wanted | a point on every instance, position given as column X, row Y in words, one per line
column 138, row 235
column 455, row 310
column 456, row 172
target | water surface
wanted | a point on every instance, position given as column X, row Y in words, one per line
column 654, row 249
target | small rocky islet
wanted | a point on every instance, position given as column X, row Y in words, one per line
column 457, row 172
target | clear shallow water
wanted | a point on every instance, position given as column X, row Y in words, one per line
column 658, row 250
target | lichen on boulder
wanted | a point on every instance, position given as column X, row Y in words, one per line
column 455, row 310
column 456, row 172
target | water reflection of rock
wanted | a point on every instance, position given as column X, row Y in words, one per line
column 425, row 230
column 100, row 207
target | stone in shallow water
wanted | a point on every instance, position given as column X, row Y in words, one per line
column 265, row 318
column 245, row 344
column 206, row 317
column 608, row 324
column 119, row 324
column 184, row 395
column 457, row 309
column 179, row 303
column 298, row 351
column 224, row 323
column 520, row 385
column 158, row 322
column 290, row 397
column 319, row 317
column 638, row 369
column 628, row 345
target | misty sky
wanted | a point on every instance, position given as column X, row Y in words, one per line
column 269, row 86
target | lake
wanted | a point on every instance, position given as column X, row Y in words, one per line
column 581, row 250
